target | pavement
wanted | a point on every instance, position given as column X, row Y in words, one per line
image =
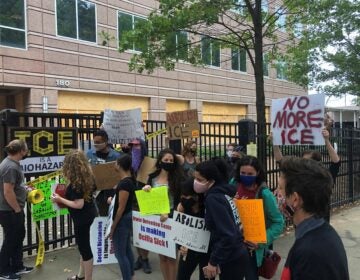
column 60, row 264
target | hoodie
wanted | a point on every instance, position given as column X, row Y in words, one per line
column 222, row 220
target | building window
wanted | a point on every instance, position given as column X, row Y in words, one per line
column 210, row 51
column 180, row 40
column 12, row 24
column 281, row 21
column 76, row 19
column 281, row 70
column 238, row 60
column 266, row 64
column 126, row 23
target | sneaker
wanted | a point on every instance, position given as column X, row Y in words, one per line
column 138, row 264
column 24, row 270
column 146, row 266
column 12, row 276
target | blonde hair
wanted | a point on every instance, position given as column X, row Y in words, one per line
column 78, row 172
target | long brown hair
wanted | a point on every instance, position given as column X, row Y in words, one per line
column 78, row 172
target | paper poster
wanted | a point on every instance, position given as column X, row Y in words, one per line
column 182, row 124
column 106, row 176
column 102, row 248
column 123, row 126
column 109, row 220
column 156, row 201
column 251, row 213
column 147, row 166
column 41, row 164
column 251, row 149
column 298, row 120
column 152, row 235
column 190, row 231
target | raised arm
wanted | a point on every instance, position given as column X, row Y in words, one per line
column 332, row 153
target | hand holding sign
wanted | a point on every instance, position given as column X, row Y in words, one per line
column 153, row 201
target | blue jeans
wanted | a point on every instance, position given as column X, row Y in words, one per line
column 122, row 246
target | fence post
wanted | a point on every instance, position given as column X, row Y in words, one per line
column 246, row 132
column 350, row 165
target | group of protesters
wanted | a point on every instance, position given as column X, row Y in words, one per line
column 205, row 189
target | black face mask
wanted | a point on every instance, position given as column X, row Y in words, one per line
column 167, row 166
column 188, row 203
column 193, row 152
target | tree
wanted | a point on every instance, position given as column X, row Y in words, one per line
column 329, row 50
column 243, row 24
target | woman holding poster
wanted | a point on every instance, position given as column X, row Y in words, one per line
column 250, row 178
column 168, row 173
column 79, row 200
column 228, row 255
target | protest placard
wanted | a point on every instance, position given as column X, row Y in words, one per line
column 251, row 149
column 152, row 235
column 109, row 221
column 251, row 213
column 101, row 247
column 123, row 126
column 106, row 175
column 155, row 201
column 147, row 166
column 182, row 124
column 190, row 231
column 298, row 120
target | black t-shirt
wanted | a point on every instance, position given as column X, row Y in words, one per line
column 127, row 184
column 84, row 215
column 334, row 169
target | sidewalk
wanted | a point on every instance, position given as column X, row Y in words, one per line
column 59, row 265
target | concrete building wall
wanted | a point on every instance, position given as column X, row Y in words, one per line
column 79, row 76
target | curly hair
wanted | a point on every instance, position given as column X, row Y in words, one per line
column 77, row 171
column 187, row 147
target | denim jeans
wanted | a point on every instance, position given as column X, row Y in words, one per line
column 122, row 246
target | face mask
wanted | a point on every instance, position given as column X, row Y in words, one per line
column 247, row 181
column 187, row 203
column 135, row 159
column 229, row 153
column 167, row 166
column 193, row 152
column 100, row 146
column 200, row 187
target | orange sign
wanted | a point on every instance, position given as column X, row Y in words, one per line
column 252, row 217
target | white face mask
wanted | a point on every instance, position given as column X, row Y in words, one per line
column 229, row 153
column 100, row 146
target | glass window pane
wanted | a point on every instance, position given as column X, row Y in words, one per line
column 12, row 13
column 125, row 24
column 215, row 53
column 66, row 18
column 170, row 44
column 143, row 44
column 234, row 59
column 12, row 38
column 242, row 60
column 182, row 44
column 87, row 21
column 206, row 51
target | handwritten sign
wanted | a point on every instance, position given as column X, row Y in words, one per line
column 152, row 235
column 298, row 120
column 123, row 126
column 102, row 248
column 153, row 202
column 190, row 231
column 251, row 213
column 106, row 176
column 182, row 124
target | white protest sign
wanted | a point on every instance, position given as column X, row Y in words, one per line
column 102, row 248
column 42, row 164
column 298, row 120
column 190, row 231
column 123, row 126
column 152, row 235
column 109, row 221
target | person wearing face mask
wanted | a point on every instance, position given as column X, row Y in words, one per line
column 228, row 258
column 168, row 173
column 188, row 159
column 101, row 153
column 250, row 178
column 318, row 252
column 13, row 195
column 191, row 203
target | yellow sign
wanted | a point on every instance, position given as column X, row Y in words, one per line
column 156, row 201
column 156, row 133
column 251, row 149
column 251, row 213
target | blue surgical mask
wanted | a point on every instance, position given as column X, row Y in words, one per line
column 247, row 181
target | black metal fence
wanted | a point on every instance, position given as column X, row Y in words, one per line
column 214, row 137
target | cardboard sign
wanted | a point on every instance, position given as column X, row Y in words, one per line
column 106, row 176
column 298, row 120
column 190, row 232
column 123, row 126
column 182, row 124
column 152, row 235
column 147, row 166
column 156, row 201
column 251, row 213
column 102, row 248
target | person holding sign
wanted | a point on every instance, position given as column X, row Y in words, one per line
column 250, row 179
column 228, row 254
column 318, row 252
column 79, row 200
column 12, row 218
column 122, row 219
column 168, row 173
